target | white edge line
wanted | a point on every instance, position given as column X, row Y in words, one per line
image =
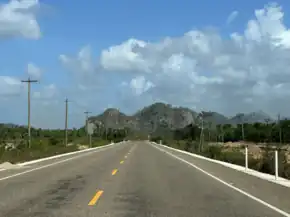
column 52, row 164
column 63, row 155
column 59, row 156
column 270, row 178
column 227, row 184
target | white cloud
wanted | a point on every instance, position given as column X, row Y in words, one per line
column 268, row 26
column 17, row 19
column 47, row 92
column 82, row 68
column 81, row 64
column 248, row 71
column 232, row 17
column 139, row 85
column 123, row 57
column 10, row 86
column 33, row 71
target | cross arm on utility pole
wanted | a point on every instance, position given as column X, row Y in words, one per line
column 29, row 81
column 87, row 114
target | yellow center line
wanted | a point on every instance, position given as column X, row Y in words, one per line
column 114, row 172
column 95, row 198
column 122, row 162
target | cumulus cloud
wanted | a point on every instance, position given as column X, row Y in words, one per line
column 82, row 68
column 10, row 86
column 17, row 19
column 33, row 71
column 269, row 27
column 47, row 92
column 82, row 63
column 232, row 17
column 203, row 69
column 122, row 57
column 139, row 85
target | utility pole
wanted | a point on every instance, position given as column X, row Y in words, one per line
column 201, row 133
column 223, row 133
column 243, row 132
column 87, row 120
column 241, row 117
column 280, row 129
column 267, row 120
column 29, row 81
column 106, row 123
column 66, row 121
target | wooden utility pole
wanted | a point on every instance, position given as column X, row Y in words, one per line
column 241, row 117
column 201, row 133
column 66, row 121
column 87, row 120
column 29, row 81
column 243, row 131
column 280, row 129
column 209, row 130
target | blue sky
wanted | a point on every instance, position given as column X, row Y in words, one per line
column 66, row 27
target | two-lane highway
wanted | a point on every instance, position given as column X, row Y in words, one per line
column 129, row 179
column 62, row 189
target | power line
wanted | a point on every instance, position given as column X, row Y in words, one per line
column 29, row 81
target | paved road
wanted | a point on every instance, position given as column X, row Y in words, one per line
column 133, row 179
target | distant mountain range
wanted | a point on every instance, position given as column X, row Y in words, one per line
column 160, row 116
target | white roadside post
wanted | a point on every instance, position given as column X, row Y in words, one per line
column 246, row 157
column 276, row 165
column 90, row 132
column 90, row 140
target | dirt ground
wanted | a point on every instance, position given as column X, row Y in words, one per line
column 254, row 149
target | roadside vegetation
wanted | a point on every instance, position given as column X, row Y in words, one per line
column 221, row 142
column 45, row 143
column 227, row 143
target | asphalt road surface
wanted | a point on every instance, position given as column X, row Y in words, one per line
column 136, row 179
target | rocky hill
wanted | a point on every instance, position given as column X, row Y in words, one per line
column 160, row 116
column 252, row 117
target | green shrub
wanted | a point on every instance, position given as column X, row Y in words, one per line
column 214, row 152
column 233, row 157
column 286, row 171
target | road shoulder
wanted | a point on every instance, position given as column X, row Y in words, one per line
column 272, row 193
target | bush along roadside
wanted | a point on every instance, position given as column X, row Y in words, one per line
column 264, row 164
column 41, row 149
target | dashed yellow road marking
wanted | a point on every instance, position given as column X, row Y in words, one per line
column 126, row 156
column 95, row 198
column 114, row 172
column 122, row 162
